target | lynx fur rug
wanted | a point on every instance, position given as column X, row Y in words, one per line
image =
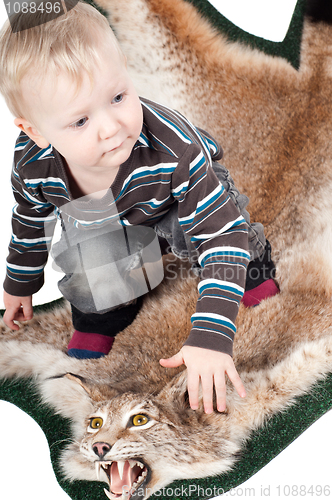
column 274, row 123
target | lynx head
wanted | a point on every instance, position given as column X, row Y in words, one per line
column 139, row 443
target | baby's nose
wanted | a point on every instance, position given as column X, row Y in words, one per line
column 109, row 128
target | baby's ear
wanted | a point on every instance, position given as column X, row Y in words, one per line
column 31, row 132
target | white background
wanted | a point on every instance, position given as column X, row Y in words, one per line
column 25, row 467
column 265, row 18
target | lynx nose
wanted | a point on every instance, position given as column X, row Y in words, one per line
column 100, row 449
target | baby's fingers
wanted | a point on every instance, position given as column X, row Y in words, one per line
column 193, row 389
column 207, row 390
column 8, row 320
column 220, row 388
column 234, row 377
column 12, row 315
column 27, row 310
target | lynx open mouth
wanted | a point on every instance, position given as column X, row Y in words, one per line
column 124, row 477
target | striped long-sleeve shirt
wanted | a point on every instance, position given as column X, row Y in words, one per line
column 171, row 161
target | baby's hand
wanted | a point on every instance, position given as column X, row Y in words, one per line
column 208, row 367
column 17, row 309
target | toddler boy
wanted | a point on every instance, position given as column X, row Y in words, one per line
column 87, row 136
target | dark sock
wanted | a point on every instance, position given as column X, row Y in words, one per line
column 261, row 269
column 94, row 333
column 109, row 323
column 260, row 282
column 89, row 345
column 253, row 297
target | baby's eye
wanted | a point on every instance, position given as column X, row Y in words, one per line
column 118, row 98
column 80, row 123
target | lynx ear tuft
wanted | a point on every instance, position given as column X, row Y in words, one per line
column 64, row 393
column 79, row 380
column 96, row 392
column 75, row 378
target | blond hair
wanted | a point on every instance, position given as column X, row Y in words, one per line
column 70, row 43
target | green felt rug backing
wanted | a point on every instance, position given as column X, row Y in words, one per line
column 289, row 48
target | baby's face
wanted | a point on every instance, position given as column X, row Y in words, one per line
column 96, row 127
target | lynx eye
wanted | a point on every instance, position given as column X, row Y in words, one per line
column 96, row 423
column 138, row 420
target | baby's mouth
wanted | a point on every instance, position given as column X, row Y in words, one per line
column 124, row 477
column 114, row 149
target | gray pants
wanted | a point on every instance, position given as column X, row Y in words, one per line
column 112, row 266
column 169, row 227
